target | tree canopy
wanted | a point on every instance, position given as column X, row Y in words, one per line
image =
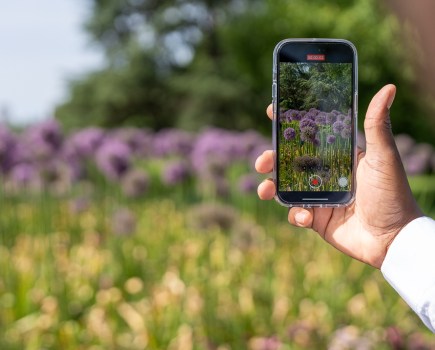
column 191, row 63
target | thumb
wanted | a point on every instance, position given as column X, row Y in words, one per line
column 377, row 124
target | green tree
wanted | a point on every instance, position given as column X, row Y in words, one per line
column 191, row 63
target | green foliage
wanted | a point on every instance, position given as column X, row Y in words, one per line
column 193, row 63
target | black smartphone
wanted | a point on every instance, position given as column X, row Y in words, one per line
column 315, row 98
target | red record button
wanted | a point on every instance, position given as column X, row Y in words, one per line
column 315, row 181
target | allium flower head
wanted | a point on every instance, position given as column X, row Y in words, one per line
column 113, row 158
column 308, row 133
column 289, row 134
column 248, row 183
column 135, row 183
column 346, row 132
column 175, row 173
column 337, row 127
column 330, row 118
column 307, row 163
column 308, row 122
column 321, row 118
column 314, row 111
column 173, row 142
column 330, row 139
column 84, row 143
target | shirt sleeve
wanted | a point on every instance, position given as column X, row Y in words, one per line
column 409, row 267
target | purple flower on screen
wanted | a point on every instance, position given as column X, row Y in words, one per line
column 330, row 118
column 337, row 127
column 330, row 139
column 314, row 111
column 289, row 134
column 308, row 122
column 321, row 118
column 346, row 132
column 113, row 158
column 308, row 133
column 347, row 120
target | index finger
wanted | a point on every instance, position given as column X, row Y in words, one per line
column 269, row 111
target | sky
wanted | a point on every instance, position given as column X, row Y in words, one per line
column 42, row 46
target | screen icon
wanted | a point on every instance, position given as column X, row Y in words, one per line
column 342, row 181
column 315, row 181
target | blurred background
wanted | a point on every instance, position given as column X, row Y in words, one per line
column 128, row 134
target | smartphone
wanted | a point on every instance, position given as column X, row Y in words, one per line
column 315, row 97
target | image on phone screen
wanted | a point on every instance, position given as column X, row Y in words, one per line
column 315, row 126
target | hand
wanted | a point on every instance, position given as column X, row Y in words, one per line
column 383, row 204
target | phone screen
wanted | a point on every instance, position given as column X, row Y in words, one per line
column 315, row 120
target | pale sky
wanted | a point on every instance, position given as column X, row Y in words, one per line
column 42, row 45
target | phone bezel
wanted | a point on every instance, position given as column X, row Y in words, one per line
column 336, row 50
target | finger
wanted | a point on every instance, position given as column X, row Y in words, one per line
column 269, row 111
column 266, row 190
column 377, row 122
column 321, row 219
column 264, row 163
column 301, row 217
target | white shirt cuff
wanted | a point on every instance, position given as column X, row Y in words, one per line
column 409, row 267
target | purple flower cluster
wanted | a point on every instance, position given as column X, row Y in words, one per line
column 43, row 157
column 313, row 123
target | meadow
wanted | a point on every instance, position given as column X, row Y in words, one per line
column 132, row 239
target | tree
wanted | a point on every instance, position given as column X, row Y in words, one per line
column 191, row 63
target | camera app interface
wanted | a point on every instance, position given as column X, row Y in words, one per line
column 315, row 126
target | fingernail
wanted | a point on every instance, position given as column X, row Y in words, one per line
column 391, row 100
column 300, row 218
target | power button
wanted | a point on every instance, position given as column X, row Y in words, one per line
column 274, row 90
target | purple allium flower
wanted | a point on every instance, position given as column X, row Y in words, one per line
column 289, row 134
column 23, row 173
column 85, row 142
column 175, row 173
column 113, row 158
column 330, row 118
column 321, row 118
column 140, row 141
column 330, row 139
column 395, row 338
column 335, row 112
column 346, row 132
column 248, row 183
column 7, row 148
column 173, row 142
column 337, row 127
column 44, row 139
column 308, row 133
column 308, row 122
column 314, row 111
column 302, row 113
column 347, row 120
column 135, row 183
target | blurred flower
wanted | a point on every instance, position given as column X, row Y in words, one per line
column 173, row 142
column 395, row 338
column 7, row 144
column 79, row 205
column 264, row 343
column 207, row 216
column 113, row 158
column 313, row 111
column 289, row 134
column 301, row 333
column 350, row 337
column 123, row 222
column 419, row 160
column 405, row 144
column 22, row 174
column 44, row 139
column 248, row 183
column 84, row 143
column 175, row 173
column 246, row 235
column 140, row 141
column 135, row 183
column 330, row 118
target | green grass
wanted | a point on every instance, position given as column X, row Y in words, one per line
column 69, row 281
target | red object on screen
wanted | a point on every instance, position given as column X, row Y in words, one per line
column 316, row 57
